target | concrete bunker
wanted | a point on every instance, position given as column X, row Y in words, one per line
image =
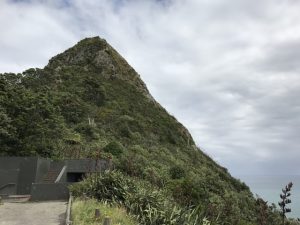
column 42, row 178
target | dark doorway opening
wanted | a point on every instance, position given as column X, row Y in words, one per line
column 75, row 177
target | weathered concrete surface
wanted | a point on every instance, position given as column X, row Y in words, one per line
column 31, row 213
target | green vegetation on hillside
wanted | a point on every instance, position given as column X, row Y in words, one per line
column 88, row 102
column 83, row 213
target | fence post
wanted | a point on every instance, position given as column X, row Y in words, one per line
column 97, row 213
column 107, row 221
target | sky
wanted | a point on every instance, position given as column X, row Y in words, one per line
column 227, row 70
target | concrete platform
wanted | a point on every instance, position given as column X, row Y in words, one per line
column 33, row 213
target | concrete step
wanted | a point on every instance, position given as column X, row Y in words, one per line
column 16, row 198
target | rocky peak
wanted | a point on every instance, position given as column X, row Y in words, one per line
column 96, row 55
column 82, row 54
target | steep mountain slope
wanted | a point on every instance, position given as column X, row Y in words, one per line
column 88, row 102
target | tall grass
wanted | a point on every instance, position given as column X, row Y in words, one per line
column 149, row 206
column 83, row 213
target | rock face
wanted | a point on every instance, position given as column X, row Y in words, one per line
column 88, row 102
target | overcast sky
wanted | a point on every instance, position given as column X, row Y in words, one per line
column 228, row 70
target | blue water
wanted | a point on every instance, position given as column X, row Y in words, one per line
column 269, row 187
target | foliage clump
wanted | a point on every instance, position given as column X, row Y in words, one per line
column 114, row 147
column 176, row 172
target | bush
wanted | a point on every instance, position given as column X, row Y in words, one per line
column 132, row 164
column 109, row 186
column 154, row 176
column 189, row 191
column 145, row 203
column 149, row 205
column 115, row 148
column 176, row 172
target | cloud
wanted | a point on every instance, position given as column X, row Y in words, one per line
column 227, row 70
column 282, row 57
column 30, row 33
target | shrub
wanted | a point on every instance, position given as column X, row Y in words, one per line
column 109, row 186
column 115, row 148
column 149, row 205
column 132, row 164
column 154, row 176
column 176, row 172
column 189, row 191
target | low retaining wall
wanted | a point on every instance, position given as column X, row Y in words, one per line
column 45, row 192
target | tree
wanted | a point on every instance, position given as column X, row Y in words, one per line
column 8, row 139
column 286, row 192
column 262, row 211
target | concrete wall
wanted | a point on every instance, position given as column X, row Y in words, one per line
column 26, row 175
column 45, row 192
column 8, row 177
column 43, row 166
column 10, row 172
column 8, row 163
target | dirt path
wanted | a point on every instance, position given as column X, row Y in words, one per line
column 41, row 213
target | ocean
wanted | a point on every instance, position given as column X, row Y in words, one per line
column 269, row 187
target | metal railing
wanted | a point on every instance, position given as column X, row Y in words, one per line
column 60, row 174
